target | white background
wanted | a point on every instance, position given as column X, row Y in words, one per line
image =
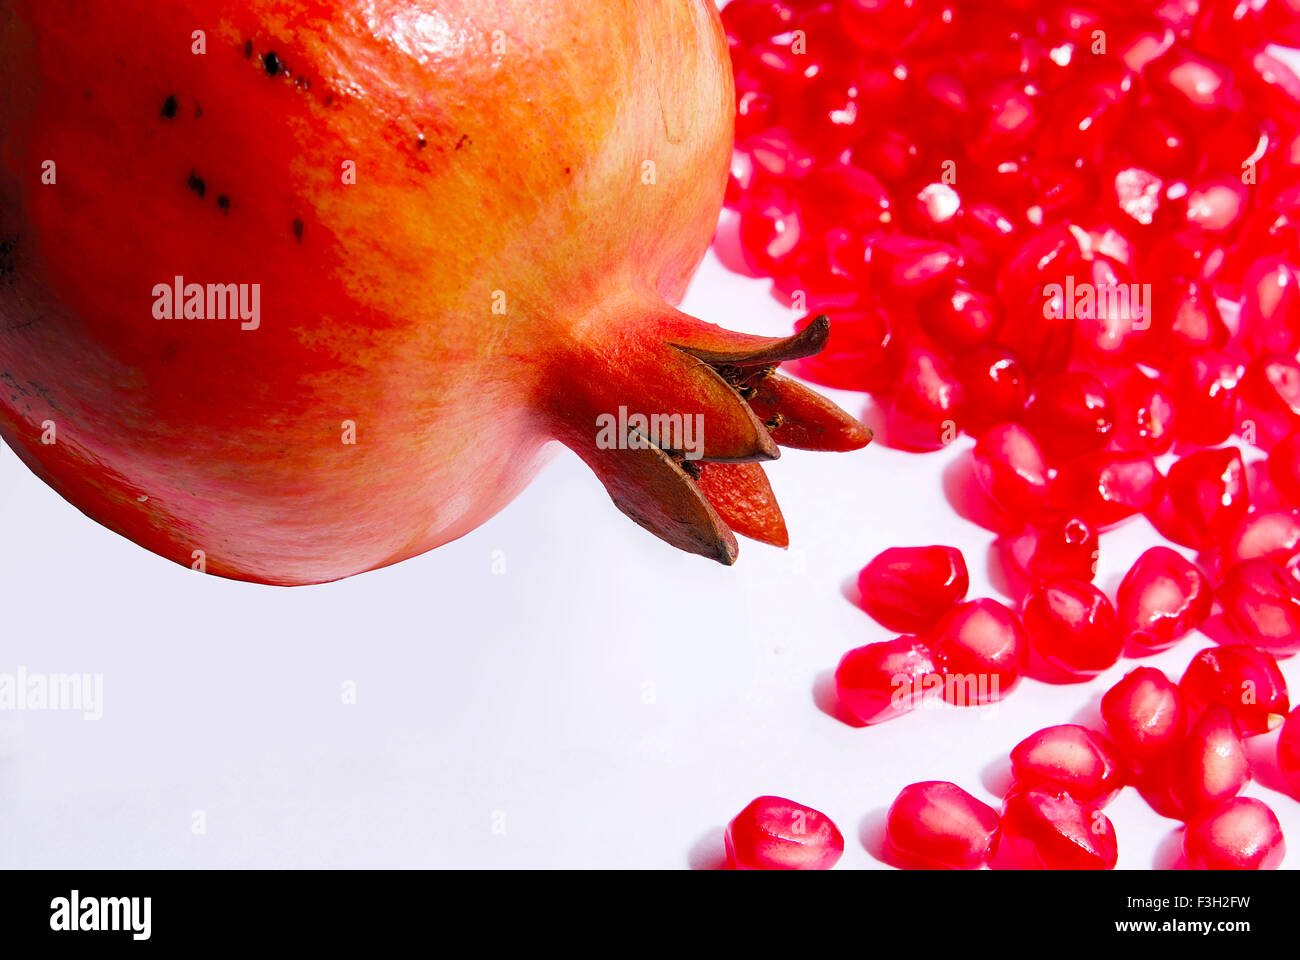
column 604, row 702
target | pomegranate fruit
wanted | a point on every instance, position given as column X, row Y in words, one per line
column 392, row 250
column 1071, row 625
column 777, row 834
column 1072, row 758
column 884, row 680
column 980, row 648
column 1162, row 598
column 909, row 588
column 1145, row 715
column 1242, row 679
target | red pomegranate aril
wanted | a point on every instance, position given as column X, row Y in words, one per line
column 1284, row 467
column 1060, row 546
column 771, row 230
column 994, row 385
column 928, row 405
column 1144, row 414
column 1042, row 337
column 1188, row 318
column 884, row 24
column 1288, row 751
column 1261, row 605
column 1162, row 598
column 1210, row 765
column 1145, row 716
column 981, row 643
column 846, row 196
column 909, row 588
column 1205, row 392
column 1239, row 834
column 1205, row 497
column 936, row 824
column 1042, row 830
column 1070, row 414
column 1072, row 626
column 961, row 318
column 1161, row 144
column 884, row 680
column 773, row 833
column 1217, row 204
column 1187, row 254
column 1241, row 678
column 755, row 110
column 913, row 267
column 1105, row 488
column 1270, row 397
column 752, row 21
column 1071, row 758
column 1195, row 88
column 1010, row 466
column 1269, row 534
column 777, row 156
column 1270, row 309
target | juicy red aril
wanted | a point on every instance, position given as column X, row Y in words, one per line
column 962, row 317
column 1009, row 465
column 1269, row 535
column 1061, row 546
column 1270, row 310
column 777, row 834
column 1144, row 414
column 860, row 353
column 909, row 588
column 847, row 196
column 913, row 268
column 1210, row 765
column 1270, row 397
column 937, row 824
column 928, row 405
column 1261, row 605
column 1113, row 330
column 1193, row 87
column 1163, row 597
column 1205, row 392
column 1070, row 414
column 1244, row 680
column 993, row 383
column 883, row 24
column 1042, row 830
column 981, row 646
column 884, row 680
column 1069, row 758
column 1238, row 834
column 1284, row 467
column 771, row 230
column 1145, row 715
column 1204, row 498
column 1187, row 318
column 1288, row 751
column 1105, row 488
column 1072, row 626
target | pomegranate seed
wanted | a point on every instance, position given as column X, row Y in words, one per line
column 1114, row 330
column 1144, row 414
column 1284, row 467
column 1270, row 396
column 961, row 318
column 1193, row 87
column 1162, row 598
column 1288, row 751
column 1269, row 535
column 1046, row 257
column 884, row 680
column 1210, row 765
column 751, row 21
column 776, row 834
column 1205, row 391
column 909, row 588
column 928, row 406
column 1062, row 546
column 1244, row 680
column 1072, row 626
column 1145, row 715
column 1270, row 312
column 1218, row 203
column 860, row 353
column 1261, row 605
column 883, row 24
column 845, row 196
column 1070, row 414
column 936, row 824
column 912, row 267
column 1106, row 488
column 1009, row 465
column 770, row 229
column 1204, row 498
column 1239, row 834
column 981, row 643
column 1188, row 318
column 1159, row 143
column 993, row 383
column 1051, row 831
column 1069, row 758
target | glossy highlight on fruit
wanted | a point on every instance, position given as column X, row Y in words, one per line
column 936, row 824
column 773, row 833
column 909, row 588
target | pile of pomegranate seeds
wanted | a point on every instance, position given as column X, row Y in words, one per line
column 1071, row 231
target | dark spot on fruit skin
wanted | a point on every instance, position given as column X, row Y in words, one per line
column 464, row 139
column 248, row 49
column 566, row 169
column 420, row 142
column 302, row 83
column 272, row 64
column 169, row 108
column 223, row 202
column 198, row 111
column 297, row 230
column 329, row 99
column 197, row 185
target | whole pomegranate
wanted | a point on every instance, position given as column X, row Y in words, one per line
column 289, row 290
